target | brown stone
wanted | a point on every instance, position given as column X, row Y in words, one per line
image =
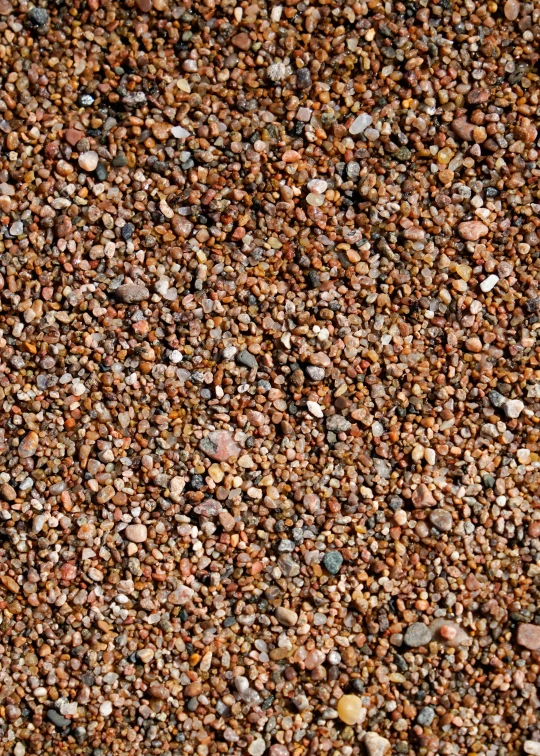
column 242, row 41
column 472, row 230
column 423, row 497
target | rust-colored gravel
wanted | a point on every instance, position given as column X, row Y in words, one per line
column 269, row 378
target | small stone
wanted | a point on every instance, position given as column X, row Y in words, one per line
column 286, row 617
column 9, row 583
column 441, row 519
column 72, row 136
column 375, row 744
column 303, row 78
column 529, row 636
column 332, row 561
column 178, row 132
column 422, row 497
column 350, row 710
column 29, row 445
column 532, row 747
column 513, row 408
column 360, row 123
column 497, row 400
column 219, row 445
column 136, row 533
column 315, row 373
column 246, row 359
column 38, row 17
column 472, row 230
column 511, row 9
column 315, row 409
column 88, row 160
column 489, row 283
column 57, row 719
column 7, row 492
column 276, row 72
column 242, row 41
column 131, row 293
column 338, row 424
column 417, row 635
column 463, row 129
column 257, row 748
column 105, row 709
column 314, row 659
column 304, row 114
column 161, row 130
column 227, row 521
column 425, row 717
column 473, row 344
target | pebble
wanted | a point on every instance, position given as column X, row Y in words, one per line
column 257, row 747
column 315, row 409
column 532, row 747
column 136, row 533
column 246, row 359
column 57, row 719
column 131, row 293
column 286, row 617
column 489, row 283
column 529, row 636
column 425, row 717
column 417, row 635
column 472, row 230
column 513, row 408
column 511, row 9
column 338, row 424
column 375, row 745
column 178, row 132
column 89, row 160
column 351, row 710
column 332, row 561
column 38, row 17
column 441, row 519
column 360, row 123
column 29, row 445
column 220, row 446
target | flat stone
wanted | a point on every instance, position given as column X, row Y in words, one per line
column 332, row 561
column 219, row 445
column 417, row 635
column 375, row 744
column 472, row 230
column 136, row 533
column 529, row 636
column 246, row 359
column 286, row 617
column 132, row 292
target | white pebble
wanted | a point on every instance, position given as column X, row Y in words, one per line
column 315, row 409
column 360, row 123
column 179, row 133
column 105, row 709
column 257, row 748
column 532, row 747
column 524, row 456
column 489, row 283
column 88, row 160
column 317, row 186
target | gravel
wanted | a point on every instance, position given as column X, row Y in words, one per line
column 269, row 378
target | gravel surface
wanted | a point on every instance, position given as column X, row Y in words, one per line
column 269, row 378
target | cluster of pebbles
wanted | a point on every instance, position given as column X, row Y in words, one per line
column 269, row 377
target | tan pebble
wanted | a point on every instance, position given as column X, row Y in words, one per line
column 350, row 710
column 136, row 533
column 286, row 617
